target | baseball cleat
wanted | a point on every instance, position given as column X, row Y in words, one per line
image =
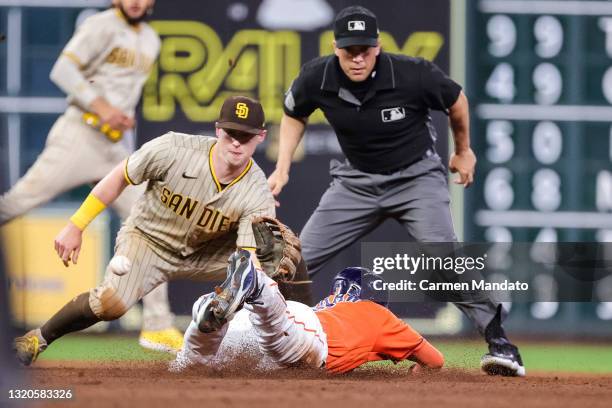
column 168, row 340
column 240, row 284
column 503, row 359
column 27, row 348
column 204, row 316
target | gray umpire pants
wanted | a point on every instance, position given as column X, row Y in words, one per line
column 357, row 202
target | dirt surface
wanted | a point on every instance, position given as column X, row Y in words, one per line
column 151, row 385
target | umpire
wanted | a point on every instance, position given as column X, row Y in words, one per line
column 379, row 106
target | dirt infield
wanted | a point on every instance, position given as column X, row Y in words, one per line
column 151, row 385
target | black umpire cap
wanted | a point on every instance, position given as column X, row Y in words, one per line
column 355, row 25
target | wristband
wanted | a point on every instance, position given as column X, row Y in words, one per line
column 91, row 207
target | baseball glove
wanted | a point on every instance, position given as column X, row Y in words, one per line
column 278, row 248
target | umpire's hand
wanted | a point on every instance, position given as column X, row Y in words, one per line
column 68, row 243
column 463, row 163
column 277, row 180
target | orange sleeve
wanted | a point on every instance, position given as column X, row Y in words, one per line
column 397, row 340
column 365, row 331
column 427, row 355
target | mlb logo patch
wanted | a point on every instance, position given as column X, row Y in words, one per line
column 393, row 114
column 356, row 25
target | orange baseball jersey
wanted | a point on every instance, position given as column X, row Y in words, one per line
column 362, row 331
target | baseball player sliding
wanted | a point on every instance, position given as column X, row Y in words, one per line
column 345, row 330
column 102, row 70
column 201, row 195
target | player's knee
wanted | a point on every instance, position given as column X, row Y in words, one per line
column 113, row 314
column 106, row 303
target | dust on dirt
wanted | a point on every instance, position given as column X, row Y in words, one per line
column 150, row 385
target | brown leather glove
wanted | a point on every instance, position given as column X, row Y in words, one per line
column 278, row 248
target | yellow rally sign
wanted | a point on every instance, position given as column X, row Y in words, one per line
column 39, row 284
column 197, row 72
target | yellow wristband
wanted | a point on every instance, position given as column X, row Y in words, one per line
column 91, row 207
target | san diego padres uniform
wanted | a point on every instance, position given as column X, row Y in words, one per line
column 110, row 59
column 185, row 225
column 341, row 333
column 106, row 57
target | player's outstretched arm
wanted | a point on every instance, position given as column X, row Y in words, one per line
column 427, row 356
column 463, row 161
column 399, row 341
column 291, row 132
column 68, row 241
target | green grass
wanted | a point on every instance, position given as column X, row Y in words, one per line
column 100, row 348
column 539, row 356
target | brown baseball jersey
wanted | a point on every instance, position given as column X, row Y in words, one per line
column 184, row 206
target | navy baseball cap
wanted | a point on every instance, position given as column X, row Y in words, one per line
column 355, row 25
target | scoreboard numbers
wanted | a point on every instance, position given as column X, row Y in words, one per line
column 539, row 80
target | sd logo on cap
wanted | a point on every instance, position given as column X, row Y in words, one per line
column 242, row 113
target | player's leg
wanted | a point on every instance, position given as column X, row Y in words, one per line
column 134, row 271
column 428, row 219
column 503, row 357
column 420, row 201
column 206, row 330
column 198, row 347
column 347, row 211
column 62, row 165
column 234, row 344
column 287, row 332
column 212, row 263
column 75, row 315
column 421, row 205
column 158, row 331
